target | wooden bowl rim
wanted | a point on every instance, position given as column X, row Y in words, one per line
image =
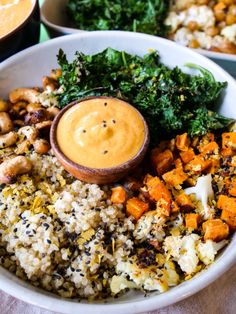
column 97, row 171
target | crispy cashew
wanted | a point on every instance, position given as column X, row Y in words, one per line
column 43, row 125
column 18, row 106
column 49, row 83
column 29, row 132
column 6, row 124
column 10, row 169
column 36, row 116
column 8, row 139
column 4, row 105
column 18, row 122
column 29, row 95
column 41, row 146
column 32, row 107
column 55, row 74
column 23, row 147
column 53, row 111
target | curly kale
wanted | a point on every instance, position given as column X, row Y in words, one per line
column 146, row 16
column 171, row 100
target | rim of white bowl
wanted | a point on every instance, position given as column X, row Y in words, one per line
column 39, row 298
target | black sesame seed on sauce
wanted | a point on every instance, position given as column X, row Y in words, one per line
column 105, row 152
column 105, row 104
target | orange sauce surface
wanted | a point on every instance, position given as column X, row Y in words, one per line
column 101, row 133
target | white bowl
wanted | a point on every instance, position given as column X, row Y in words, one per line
column 26, row 69
column 53, row 15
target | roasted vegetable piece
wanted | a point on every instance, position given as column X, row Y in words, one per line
column 229, row 140
column 182, row 142
column 118, row 195
column 229, row 218
column 227, row 203
column 157, row 189
column 232, row 187
column 174, row 207
column 210, row 148
column 159, row 193
column 215, row 230
column 162, row 162
column 192, row 220
column 228, row 152
column 187, row 156
column 198, row 164
column 178, row 163
column 135, row 207
column 175, row 177
column 185, row 203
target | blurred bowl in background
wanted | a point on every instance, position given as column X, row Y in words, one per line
column 54, row 17
column 19, row 26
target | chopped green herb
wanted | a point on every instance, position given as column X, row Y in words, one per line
column 171, row 100
column 146, row 16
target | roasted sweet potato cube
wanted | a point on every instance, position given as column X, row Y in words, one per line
column 182, row 142
column 232, row 187
column 210, row 148
column 229, row 218
column 118, row 195
column 136, row 208
column 192, row 220
column 227, row 203
column 163, row 161
column 174, row 207
column 215, row 230
column 175, row 177
column 178, row 163
column 227, row 152
column 184, row 202
column 215, row 164
column 157, row 189
column 229, row 140
column 187, row 156
column 199, row 164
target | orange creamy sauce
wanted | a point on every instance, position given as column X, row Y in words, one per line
column 13, row 13
column 101, row 133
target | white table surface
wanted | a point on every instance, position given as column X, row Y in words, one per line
column 218, row 298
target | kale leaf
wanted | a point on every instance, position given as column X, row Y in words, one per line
column 146, row 16
column 171, row 100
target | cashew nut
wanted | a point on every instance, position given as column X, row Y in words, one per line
column 55, row 74
column 36, row 116
column 41, row 146
column 18, row 106
column 43, row 125
column 29, row 132
column 6, row 124
column 18, row 122
column 32, row 107
column 53, row 111
column 4, row 105
column 8, row 139
column 23, row 147
column 49, row 83
column 11, row 168
column 24, row 94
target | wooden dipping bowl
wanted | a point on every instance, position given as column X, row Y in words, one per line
column 96, row 175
